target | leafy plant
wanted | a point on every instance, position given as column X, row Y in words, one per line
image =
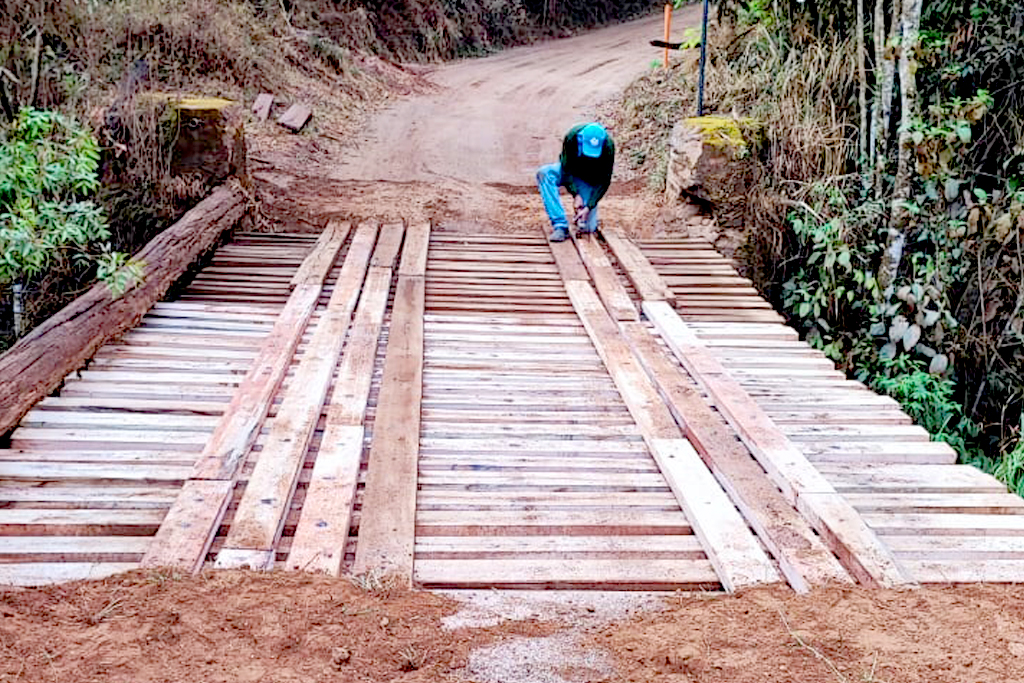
column 48, row 169
column 928, row 399
column 1010, row 468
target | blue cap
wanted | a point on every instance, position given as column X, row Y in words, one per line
column 591, row 138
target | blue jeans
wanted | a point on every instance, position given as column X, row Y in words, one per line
column 549, row 179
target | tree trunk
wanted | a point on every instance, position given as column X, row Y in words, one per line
column 38, row 363
column 899, row 216
column 884, row 76
column 862, row 88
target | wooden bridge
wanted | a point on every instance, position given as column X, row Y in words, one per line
column 486, row 410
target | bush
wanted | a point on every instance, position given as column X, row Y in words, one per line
column 48, row 166
column 888, row 226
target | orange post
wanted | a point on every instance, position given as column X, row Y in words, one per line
column 668, row 29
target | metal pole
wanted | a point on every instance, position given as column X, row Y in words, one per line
column 668, row 30
column 703, row 60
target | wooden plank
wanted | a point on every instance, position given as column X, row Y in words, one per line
column 323, row 254
column 387, row 524
column 966, row 503
column 259, row 518
column 567, row 262
column 836, row 520
column 727, row 541
column 296, row 117
column 244, row 415
column 639, row 270
column 347, row 405
column 957, row 548
column 606, row 280
column 261, row 107
column 44, row 573
column 388, row 245
column 86, row 494
column 731, row 548
column 54, row 471
column 500, row 547
column 322, row 531
column 640, row 396
column 593, row 573
column 802, row 557
column 184, row 537
column 68, row 548
column 960, row 571
column 939, row 524
column 414, row 256
column 35, row 366
column 899, row 478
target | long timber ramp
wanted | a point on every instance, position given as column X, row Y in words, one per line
column 486, row 410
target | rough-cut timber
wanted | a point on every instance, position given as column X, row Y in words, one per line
column 37, row 364
column 802, row 557
column 261, row 107
column 732, row 549
column 296, row 117
column 387, row 530
column 237, row 428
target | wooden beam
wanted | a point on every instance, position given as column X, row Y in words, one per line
column 804, row 560
column 728, row 542
column 639, row 270
column 323, row 527
column 37, row 364
column 185, row 536
column 244, row 415
column 414, row 255
column 261, row 512
column 732, row 549
column 388, row 520
column 567, row 259
column 606, row 280
column 843, row 529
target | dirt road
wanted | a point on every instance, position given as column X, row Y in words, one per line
column 464, row 153
column 496, row 119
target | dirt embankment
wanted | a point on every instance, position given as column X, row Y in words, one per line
column 151, row 627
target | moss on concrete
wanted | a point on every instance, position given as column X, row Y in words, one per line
column 734, row 134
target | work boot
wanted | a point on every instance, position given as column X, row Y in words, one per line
column 584, row 230
column 559, row 235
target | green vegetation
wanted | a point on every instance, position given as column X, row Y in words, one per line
column 113, row 65
column 48, row 171
column 889, row 208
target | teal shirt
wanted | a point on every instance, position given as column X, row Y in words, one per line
column 596, row 172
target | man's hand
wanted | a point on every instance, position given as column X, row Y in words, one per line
column 582, row 213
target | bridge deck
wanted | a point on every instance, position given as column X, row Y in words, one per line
column 487, row 410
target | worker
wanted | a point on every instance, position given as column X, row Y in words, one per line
column 585, row 170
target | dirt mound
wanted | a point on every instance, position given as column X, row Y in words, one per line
column 149, row 627
column 955, row 634
column 231, row 626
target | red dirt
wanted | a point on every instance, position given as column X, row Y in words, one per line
column 955, row 634
column 152, row 627
column 149, row 627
